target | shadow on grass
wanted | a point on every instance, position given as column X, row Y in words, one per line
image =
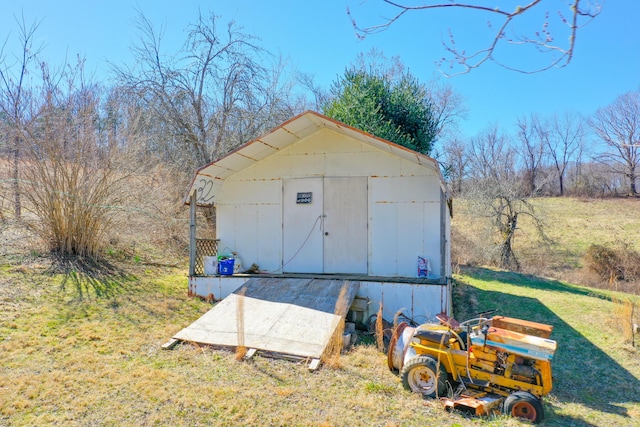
column 87, row 278
column 582, row 372
column 533, row 282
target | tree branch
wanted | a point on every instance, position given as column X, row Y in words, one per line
column 544, row 40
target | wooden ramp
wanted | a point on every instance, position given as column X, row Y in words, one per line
column 286, row 316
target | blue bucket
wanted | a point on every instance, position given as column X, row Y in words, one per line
column 225, row 266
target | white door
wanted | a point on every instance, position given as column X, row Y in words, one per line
column 302, row 207
column 325, row 225
column 345, row 225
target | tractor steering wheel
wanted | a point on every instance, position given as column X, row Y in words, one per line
column 473, row 322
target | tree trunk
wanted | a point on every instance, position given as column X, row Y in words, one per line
column 632, row 181
column 17, row 204
column 532, row 181
column 507, row 257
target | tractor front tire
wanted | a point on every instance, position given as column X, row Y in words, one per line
column 521, row 404
column 421, row 374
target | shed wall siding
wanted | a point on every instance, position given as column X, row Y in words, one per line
column 404, row 203
column 404, row 224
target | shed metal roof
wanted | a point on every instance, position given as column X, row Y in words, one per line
column 288, row 133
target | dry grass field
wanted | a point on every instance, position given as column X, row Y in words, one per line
column 95, row 360
column 82, row 347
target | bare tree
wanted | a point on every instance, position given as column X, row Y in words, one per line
column 375, row 61
column 497, row 195
column 618, row 127
column 565, row 143
column 532, row 137
column 15, row 98
column 320, row 95
column 448, row 108
column 4, row 132
column 492, row 157
column 212, row 95
column 456, row 160
column 570, row 17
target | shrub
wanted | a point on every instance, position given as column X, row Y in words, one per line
column 613, row 263
column 75, row 206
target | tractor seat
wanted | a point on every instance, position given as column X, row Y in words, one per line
column 436, row 336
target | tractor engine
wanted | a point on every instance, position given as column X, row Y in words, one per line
column 517, row 368
column 524, row 370
column 505, row 364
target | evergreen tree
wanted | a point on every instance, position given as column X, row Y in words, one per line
column 396, row 109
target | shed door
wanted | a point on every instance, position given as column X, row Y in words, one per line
column 325, row 225
column 302, row 218
column 345, row 225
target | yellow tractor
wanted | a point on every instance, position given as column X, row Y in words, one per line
column 482, row 366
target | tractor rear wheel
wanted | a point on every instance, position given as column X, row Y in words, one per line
column 521, row 404
column 421, row 374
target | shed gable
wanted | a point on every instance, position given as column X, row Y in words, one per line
column 330, row 153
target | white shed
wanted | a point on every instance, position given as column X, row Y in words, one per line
column 317, row 197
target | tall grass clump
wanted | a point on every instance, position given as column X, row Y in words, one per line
column 74, row 175
column 624, row 311
column 379, row 329
column 75, row 206
column 241, row 349
column 331, row 355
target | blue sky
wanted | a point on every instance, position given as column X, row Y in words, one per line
column 317, row 38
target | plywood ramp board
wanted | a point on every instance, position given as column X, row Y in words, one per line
column 295, row 317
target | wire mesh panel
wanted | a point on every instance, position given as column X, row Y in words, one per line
column 204, row 247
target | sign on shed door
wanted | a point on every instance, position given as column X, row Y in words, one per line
column 325, row 225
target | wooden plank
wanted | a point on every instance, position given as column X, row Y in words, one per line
column 315, row 364
column 170, row 344
column 352, row 277
column 523, row 326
